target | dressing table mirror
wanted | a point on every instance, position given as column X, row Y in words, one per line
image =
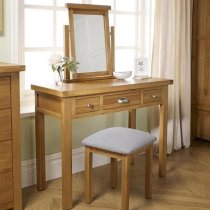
column 89, row 41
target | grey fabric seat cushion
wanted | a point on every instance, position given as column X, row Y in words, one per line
column 119, row 139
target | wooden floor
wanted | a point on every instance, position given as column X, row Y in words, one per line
column 186, row 186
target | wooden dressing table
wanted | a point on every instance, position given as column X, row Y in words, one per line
column 96, row 97
column 92, row 90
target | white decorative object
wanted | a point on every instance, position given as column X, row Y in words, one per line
column 122, row 74
column 141, row 68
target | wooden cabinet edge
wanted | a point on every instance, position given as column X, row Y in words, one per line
column 12, row 71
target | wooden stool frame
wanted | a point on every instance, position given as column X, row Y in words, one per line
column 125, row 158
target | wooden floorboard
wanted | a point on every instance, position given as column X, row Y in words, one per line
column 186, row 186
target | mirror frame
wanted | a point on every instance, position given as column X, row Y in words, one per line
column 69, row 41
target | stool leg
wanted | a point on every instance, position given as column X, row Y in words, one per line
column 88, row 175
column 148, row 172
column 113, row 174
column 125, row 183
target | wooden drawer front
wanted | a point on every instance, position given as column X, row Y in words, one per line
column 150, row 96
column 86, row 105
column 6, row 189
column 121, row 100
column 5, row 122
column 46, row 102
column 5, row 156
column 5, row 101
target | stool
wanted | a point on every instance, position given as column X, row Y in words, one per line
column 119, row 143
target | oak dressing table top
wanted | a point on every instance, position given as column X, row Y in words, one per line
column 99, row 86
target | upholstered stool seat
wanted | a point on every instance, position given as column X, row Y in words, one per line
column 119, row 143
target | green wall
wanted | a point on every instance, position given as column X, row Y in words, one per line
column 5, row 37
column 81, row 127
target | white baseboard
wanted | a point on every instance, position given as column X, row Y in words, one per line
column 53, row 166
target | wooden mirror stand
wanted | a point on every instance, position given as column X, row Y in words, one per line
column 70, row 45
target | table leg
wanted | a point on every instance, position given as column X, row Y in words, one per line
column 132, row 124
column 66, row 150
column 163, row 133
column 132, row 118
column 40, row 151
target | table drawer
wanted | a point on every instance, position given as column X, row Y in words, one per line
column 150, row 96
column 86, row 105
column 6, row 125
column 6, row 189
column 5, row 156
column 121, row 100
column 5, row 101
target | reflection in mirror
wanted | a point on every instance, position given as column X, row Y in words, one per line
column 90, row 43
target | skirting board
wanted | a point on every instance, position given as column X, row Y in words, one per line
column 53, row 166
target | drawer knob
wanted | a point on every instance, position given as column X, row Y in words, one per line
column 153, row 96
column 123, row 100
column 91, row 106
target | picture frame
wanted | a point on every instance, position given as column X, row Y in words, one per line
column 141, row 67
column 1, row 15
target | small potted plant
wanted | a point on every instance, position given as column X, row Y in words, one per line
column 59, row 64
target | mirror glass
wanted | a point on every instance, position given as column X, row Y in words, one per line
column 90, row 43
